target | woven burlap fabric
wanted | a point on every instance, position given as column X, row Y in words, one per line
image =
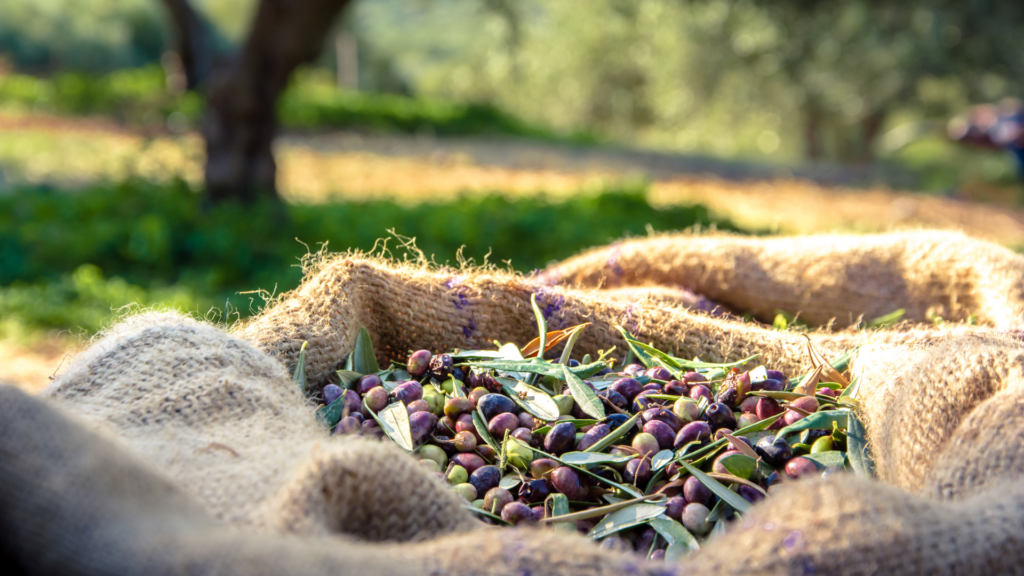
column 200, row 453
column 823, row 278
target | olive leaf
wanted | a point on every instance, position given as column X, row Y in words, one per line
column 584, row 396
column 828, row 459
column 790, row 396
column 739, row 445
column 478, row 354
column 542, row 328
column 857, row 450
column 530, row 398
column 541, row 368
column 680, row 541
column 349, row 378
column 719, row 510
column 363, row 359
column 485, row 513
column 328, row 416
column 755, row 427
column 817, row 421
column 554, row 338
column 646, row 353
column 625, row 518
column 456, row 387
column 299, row 376
column 559, row 507
column 662, row 459
column 481, row 427
column 810, row 384
column 627, row 489
column 731, row 498
column 394, row 420
column 886, row 319
column 614, row 435
column 828, row 370
column 509, row 481
column 579, row 423
column 590, row 458
column 573, row 337
column 740, row 465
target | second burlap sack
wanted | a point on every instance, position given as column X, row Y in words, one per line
column 200, row 415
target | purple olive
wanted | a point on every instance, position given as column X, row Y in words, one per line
column 628, row 387
column 776, row 452
column 633, row 369
column 420, row 405
column 371, row 428
column 767, row 407
column 677, row 388
column 517, row 513
column 440, row 367
column 348, row 425
column 662, row 433
column 502, row 423
column 645, row 540
column 407, row 391
column 652, row 387
column 421, row 424
column 698, row 431
column 750, row 494
column 769, row 385
column 593, row 436
column 695, row 519
column 674, row 507
column 614, row 398
column 496, row 499
column 749, row 404
column 800, row 467
column 445, row 427
column 353, row 403
column 523, row 435
column 534, row 491
column 458, row 405
column 542, row 466
column 493, row 404
column 700, row 391
column 485, row 451
column 331, row 393
column 471, row 462
column 776, row 375
column 538, row 513
column 560, row 438
column 663, row 415
column 568, row 482
column 719, row 415
column 465, row 441
column 658, row 373
column 376, row 399
column 484, row 478
column 526, row 421
column 367, row 383
column 419, row 362
column 695, row 491
column 638, row 472
column 691, row 378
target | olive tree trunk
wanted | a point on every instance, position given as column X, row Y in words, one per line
column 194, row 42
column 241, row 121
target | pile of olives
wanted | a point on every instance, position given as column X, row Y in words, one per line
column 671, row 455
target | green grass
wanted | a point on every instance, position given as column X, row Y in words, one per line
column 68, row 259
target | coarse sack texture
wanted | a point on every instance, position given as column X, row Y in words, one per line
column 170, row 446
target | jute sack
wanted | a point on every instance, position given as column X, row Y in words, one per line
column 190, row 449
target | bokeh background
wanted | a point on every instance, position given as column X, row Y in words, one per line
column 515, row 132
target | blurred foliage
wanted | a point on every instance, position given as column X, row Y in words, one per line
column 156, row 244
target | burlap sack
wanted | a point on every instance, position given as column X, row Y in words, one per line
column 192, row 451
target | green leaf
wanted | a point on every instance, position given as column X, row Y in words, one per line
column 755, row 427
column 456, row 387
column 680, row 541
column 740, row 465
column 887, row 319
column 646, row 353
column 329, row 416
column 697, row 365
column 851, row 390
column 627, row 489
column 731, row 498
column 790, row 396
column 625, row 518
column 829, row 459
column 590, row 458
column 662, row 459
column 509, row 481
column 541, row 368
column 857, row 450
column 532, row 399
column 560, row 507
column 571, row 343
column 364, row 360
column 349, row 378
column 394, row 420
column 578, row 423
column 584, row 396
column 299, row 376
column 614, row 435
column 485, row 513
column 817, row 421
column 720, row 510
column 478, row 354
column 542, row 326
column 481, row 428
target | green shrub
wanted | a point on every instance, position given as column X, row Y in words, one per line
column 157, row 238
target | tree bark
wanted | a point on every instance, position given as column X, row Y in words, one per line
column 193, row 41
column 241, row 119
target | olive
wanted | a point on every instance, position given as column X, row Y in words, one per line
column 593, row 436
column 465, row 441
column 564, row 403
column 823, row 444
column 676, row 387
column 420, row 405
column 519, row 455
column 501, row 424
column 826, row 391
column 524, row 435
column 695, row 491
column 466, row 490
column 728, row 395
column 663, row 415
column 477, row 393
column 493, row 404
column 367, row 383
column 430, row 465
column 421, row 424
column 628, row 387
column 485, row 451
column 767, row 407
column 614, row 398
column 769, row 385
column 445, row 427
column 459, row 374
column 633, row 369
column 457, row 475
column 717, row 465
column 691, row 378
column 458, row 405
column 805, row 403
column 800, row 467
column 646, row 444
column 750, row 494
column 496, row 499
column 331, row 393
column 464, row 423
column 353, row 403
column 434, row 453
column 698, row 431
column 517, row 513
column 695, row 519
column 663, row 433
column 440, row 367
column 652, row 387
column 674, row 507
column 348, row 425
column 526, row 420
column 746, row 419
column 719, row 415
column 641, row 402
column 419, row 362
column 700, row 391
column 686, row 410
column 538, row 513
column 568, row 482
column 775, row 452
column 534, row 491
column 777, row 375
column 657, row 555
column 658, row 373
column 376, row 399
column 542, row 466
column 645, row 541
column 615, row 420
column 470, row 462
column 560, row 438
column 407, row 392
column 484, row 478
column 638, row 472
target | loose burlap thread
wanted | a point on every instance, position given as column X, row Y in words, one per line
column 171, row 446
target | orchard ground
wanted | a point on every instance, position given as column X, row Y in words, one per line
column 339, row 166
